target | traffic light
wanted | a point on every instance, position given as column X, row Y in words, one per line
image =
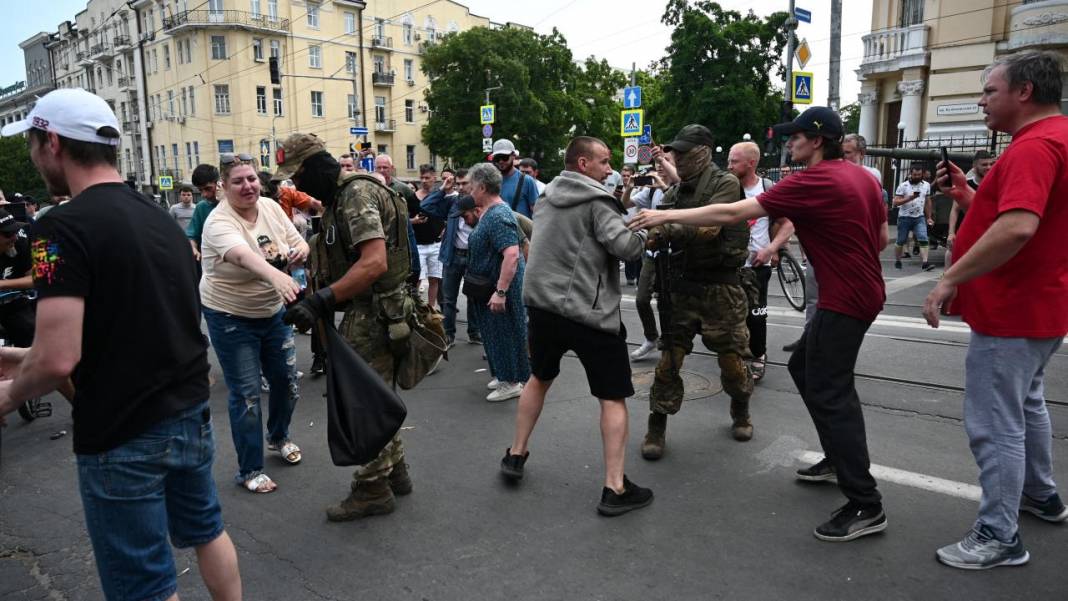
column 787, row 111
column 276, row 76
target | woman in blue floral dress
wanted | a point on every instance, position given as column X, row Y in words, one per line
column 494, row 254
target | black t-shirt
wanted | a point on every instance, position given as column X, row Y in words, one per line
column 425, row 233
column 15, row 267
column 143, row 356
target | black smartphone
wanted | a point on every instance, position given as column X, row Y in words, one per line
column 365, row 146
column 643, row 180
column 945, row 157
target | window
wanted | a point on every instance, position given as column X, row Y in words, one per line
column 380, row 28
column 350, row 62
column 407, row 33
column 380, row 109
column 167, row 57
column 174, row 155
column 222, row 99
column 313, row 14
column 317, row 104
column 276, row 49
column 261, row 100
column 409, row 157
column 254, row 7
column 911, row 12
column 315, row 57
column 409, row 71
column 192, row 101
column 185, row 47
column 434, row 161
column 184, row 105
column 225, row 145
column 196, row 152
column 170, row 102
column 188, row 155
column 276, row 95
column 350, row 23
column 383, row 149
column 272, row 9
column 409, row 111
column 352, row 106
column 218, row 47
column 162, row 157
column 380, row 64
column 155, row 61
column 129, row 161
column 257, row 49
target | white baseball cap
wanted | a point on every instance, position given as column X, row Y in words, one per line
column 503, row 146
column 72, row 113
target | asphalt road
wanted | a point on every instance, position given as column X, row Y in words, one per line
column 729, row 521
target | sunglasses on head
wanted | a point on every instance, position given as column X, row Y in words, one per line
column 228, row 158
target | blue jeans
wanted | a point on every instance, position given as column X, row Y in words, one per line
column 1008, row 426
column 917, row 225
column 242, row 345
column 451, row 277
column 135, row 494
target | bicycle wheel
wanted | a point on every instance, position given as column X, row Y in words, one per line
column 792, row 279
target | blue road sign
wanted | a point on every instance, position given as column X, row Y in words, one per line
column 367, row 163
column 487, row 131
column 805, row 16
column 358, row 131
column 632, row 97
column 802, row 87
column 630, row 123
column 647, row 135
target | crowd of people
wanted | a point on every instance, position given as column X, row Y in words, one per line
column 264, row 255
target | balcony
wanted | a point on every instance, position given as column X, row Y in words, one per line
column 386, row 126
column 382, row 43
column 895, row 49
column 381, row 78
column 224, row 19
column 82, row 57
column 125, row 83
column 1038, row 25
column 102, row 52
column 121, row 42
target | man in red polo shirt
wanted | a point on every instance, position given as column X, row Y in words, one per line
column 838, row 212
column 1010, row 281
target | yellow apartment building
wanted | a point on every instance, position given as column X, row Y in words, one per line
column 923, row 60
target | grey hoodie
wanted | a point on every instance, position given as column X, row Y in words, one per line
column 573, row 270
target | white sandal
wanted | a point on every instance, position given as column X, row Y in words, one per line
column 257, row 483
column 290, row 452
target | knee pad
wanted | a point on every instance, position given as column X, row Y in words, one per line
column 737, row 382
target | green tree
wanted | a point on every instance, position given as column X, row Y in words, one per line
column 597, row 112
column 539, row 98
column 722, row 70
column 17, row 173
column 851, row 117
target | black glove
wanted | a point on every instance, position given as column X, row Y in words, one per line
column 305, row 313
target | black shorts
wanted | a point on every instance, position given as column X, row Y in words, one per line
column 604, row 356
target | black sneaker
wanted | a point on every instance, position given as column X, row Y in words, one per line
column 897, row 264
column 512, row 465
column 916, row 250
column 318, row 366
column 851, row 521
column 1051, row 510
column 820, row 472
column 926, row 267
column 474, row 339
column 633, row 497
column 906, row 255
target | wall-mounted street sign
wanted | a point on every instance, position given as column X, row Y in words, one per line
column 487, row 144
column 358, row 131
column 963, row 108
column 805, row 16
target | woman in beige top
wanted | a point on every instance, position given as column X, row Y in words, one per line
column 247, row 246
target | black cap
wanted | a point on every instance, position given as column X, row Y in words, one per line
column 8, row 225
column 689, row 137
column 465, row 203
column 818, row 120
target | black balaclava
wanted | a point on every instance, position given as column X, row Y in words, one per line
column 318, row 178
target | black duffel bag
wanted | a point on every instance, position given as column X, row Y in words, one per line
column 478, row 288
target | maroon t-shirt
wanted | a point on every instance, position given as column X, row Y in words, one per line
column 838, row 212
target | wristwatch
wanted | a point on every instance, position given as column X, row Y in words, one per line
column 501, row 293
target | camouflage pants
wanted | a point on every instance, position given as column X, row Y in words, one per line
column 718, row 315
column 368, row 336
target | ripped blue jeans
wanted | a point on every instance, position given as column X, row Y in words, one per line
column 243, row 345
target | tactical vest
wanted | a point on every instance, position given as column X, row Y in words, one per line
column 708, row 260
column 335, row 253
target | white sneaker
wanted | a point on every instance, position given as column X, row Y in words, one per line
column 643, row 351
column 507, row 390
column 494, row 384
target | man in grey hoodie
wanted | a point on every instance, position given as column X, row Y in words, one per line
column 572, row 296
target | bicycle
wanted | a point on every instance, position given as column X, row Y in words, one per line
column 792, row 279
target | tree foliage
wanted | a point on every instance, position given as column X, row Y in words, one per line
column 851, row 117
column 17, row 173
column 545, row 97
column 719, row 71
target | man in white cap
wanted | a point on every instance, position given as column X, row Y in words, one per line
column 517, row 188
column 143, row 440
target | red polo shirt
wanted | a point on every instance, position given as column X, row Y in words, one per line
column 1027, row 297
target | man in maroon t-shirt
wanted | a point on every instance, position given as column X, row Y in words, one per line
column 1011, row 284
column 838, row 212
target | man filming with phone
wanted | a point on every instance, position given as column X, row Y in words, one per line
column 911, row 200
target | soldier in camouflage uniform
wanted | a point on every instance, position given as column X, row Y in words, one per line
column 705, row 290
column 361, row 261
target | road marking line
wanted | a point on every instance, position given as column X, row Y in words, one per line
column 912, row 479
column 909, row 281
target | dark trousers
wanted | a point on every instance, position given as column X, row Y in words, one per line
column 18, row 319
column 822, row 368
column 757, row 319
column 452, row 276
column 643, row 298
column 632, row 269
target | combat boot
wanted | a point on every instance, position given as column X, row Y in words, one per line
column 367, row 498
column 399, row 480
column 655, row 437
column 742, row 428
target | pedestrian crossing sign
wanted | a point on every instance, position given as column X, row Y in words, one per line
column 802, row 87
column 631, row 123
column 166, row 182
column 487, row 112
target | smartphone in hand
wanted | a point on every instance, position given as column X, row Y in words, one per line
column 643, row 180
